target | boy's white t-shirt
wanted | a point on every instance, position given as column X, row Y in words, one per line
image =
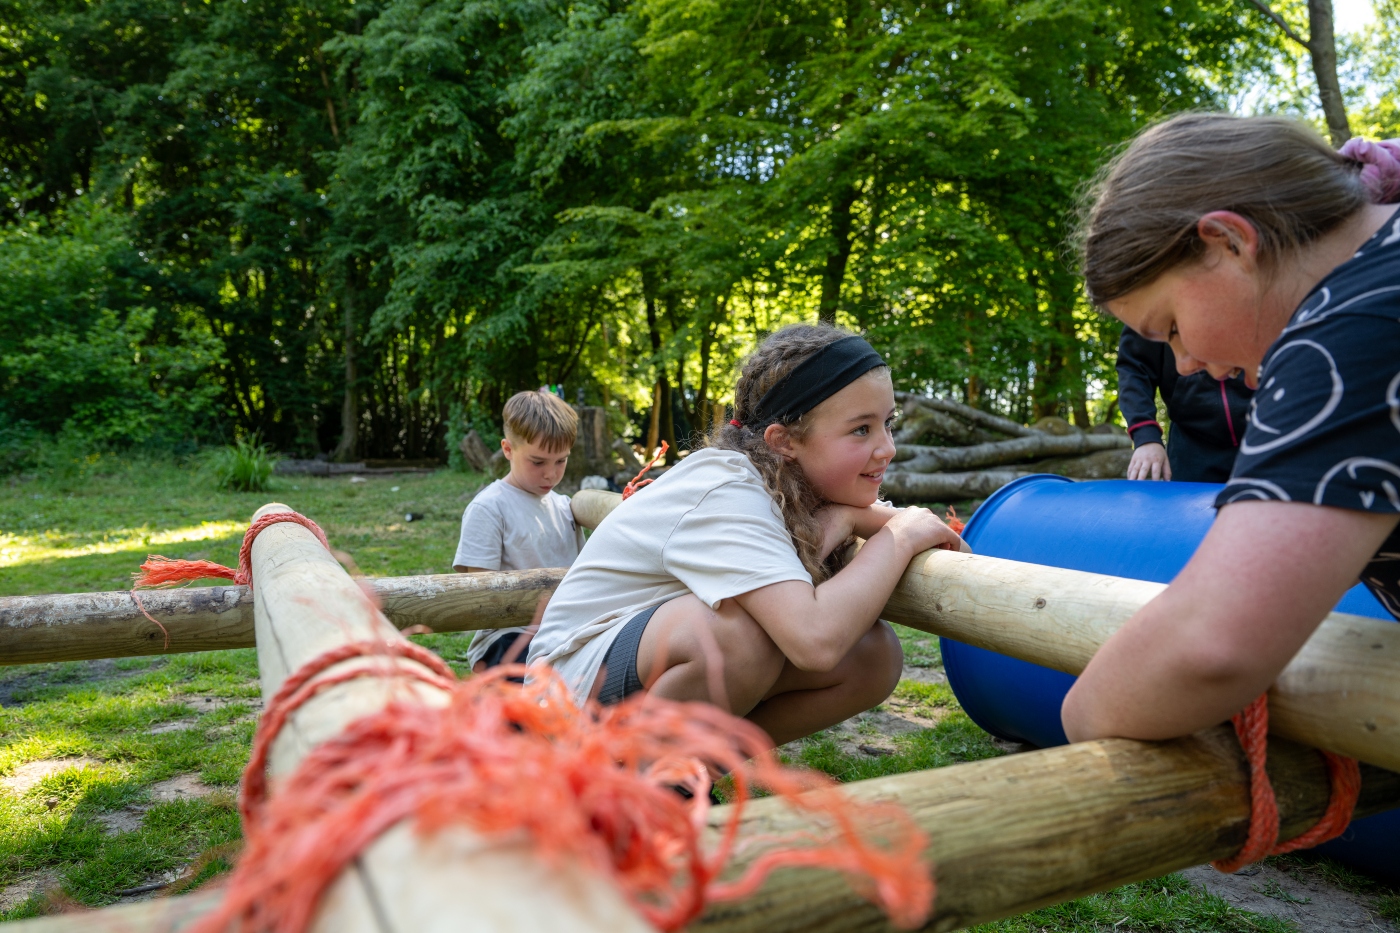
column 507, row 528
column 708, row 527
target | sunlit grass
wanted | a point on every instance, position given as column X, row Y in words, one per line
column 55, row 545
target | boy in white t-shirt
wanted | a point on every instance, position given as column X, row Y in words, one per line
column 520, row 523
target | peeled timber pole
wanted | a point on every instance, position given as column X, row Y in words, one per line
column 1007, row 835
column 1341, row 692
column 87, row 626
column 304, row 605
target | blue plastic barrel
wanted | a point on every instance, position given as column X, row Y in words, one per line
column 1141, row 530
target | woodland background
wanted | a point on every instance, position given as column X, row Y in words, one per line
column 354, row 227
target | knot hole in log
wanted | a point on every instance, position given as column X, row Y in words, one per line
column 1040, row 603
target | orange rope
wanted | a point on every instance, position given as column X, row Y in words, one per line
column 1252, row 726
column 163, row 571
column 951, row 519
column 591, row 786
column 637, row 481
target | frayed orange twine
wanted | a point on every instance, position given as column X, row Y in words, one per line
column 950, row 518
column 163, row 571
column 637, row 481
column 1252, row 726
column 594, row 786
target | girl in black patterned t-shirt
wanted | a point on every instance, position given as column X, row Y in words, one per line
column 1251, row 246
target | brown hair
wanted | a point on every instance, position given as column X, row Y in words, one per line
column 1139, row 217
column 540, row 415
column 798, row 502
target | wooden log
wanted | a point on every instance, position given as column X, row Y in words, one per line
column 921, row 424
column 922, row 459
column 967, row 413
column 87, row 626
column 304, row 605
column 945, row 487
column 1007, row 835
column 1341, row 692
column 1106, row 464
column 83, row 626
column 591, row 506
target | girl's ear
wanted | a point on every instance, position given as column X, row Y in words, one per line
column 1230, row 233
column 779, row 441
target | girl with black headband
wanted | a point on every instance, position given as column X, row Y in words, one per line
column 715, row 582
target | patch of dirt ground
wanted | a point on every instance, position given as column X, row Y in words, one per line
column 1309, row 901
column 180, row 787
column 27, row 776
column 17, row 892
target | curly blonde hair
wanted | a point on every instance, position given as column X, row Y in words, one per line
column 797, row 500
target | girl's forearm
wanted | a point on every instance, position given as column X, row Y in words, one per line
column 815, row 627
column 1258, row 586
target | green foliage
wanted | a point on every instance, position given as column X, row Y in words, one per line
column 80, row 351
column 243, row 466
column 362, row 226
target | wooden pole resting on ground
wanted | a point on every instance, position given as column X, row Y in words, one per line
column 1008, row 835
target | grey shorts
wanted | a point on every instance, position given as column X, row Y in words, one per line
column 620, row 679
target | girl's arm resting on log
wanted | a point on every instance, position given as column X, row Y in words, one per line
column 815, row 627
column 1260, row 584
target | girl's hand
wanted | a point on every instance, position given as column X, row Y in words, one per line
column 917, row 529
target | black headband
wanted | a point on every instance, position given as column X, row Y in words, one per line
column 816, row 379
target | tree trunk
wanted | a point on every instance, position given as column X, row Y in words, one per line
column 654, row 425
column 1322, row 47
column 946, row 487
column 967, row 413
column 835, row 273
column 917, row 459
column 350, row 404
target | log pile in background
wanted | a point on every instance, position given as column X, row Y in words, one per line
column 948, row 451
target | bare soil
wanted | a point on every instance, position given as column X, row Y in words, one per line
column 1303, row 897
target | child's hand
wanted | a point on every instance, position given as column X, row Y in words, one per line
column 917, row 529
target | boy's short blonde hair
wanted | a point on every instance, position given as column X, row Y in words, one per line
column 542, row 417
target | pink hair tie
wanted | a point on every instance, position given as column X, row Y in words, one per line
column 1380, row 171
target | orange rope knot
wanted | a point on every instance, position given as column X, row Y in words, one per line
column 593, row 786
column 163, row 571
column 637, row 481
column 1252, row 726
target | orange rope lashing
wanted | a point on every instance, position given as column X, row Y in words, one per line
column 637, row 481
column 1252, row 726
column 163, row 571
column 591, row 786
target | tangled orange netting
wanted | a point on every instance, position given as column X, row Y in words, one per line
column 1252, row 727
column 592, row 785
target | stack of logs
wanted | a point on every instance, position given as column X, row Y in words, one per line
column 947, row 451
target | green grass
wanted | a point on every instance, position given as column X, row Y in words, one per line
column 89, row 528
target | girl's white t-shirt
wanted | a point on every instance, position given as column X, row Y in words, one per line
column 707, row 526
